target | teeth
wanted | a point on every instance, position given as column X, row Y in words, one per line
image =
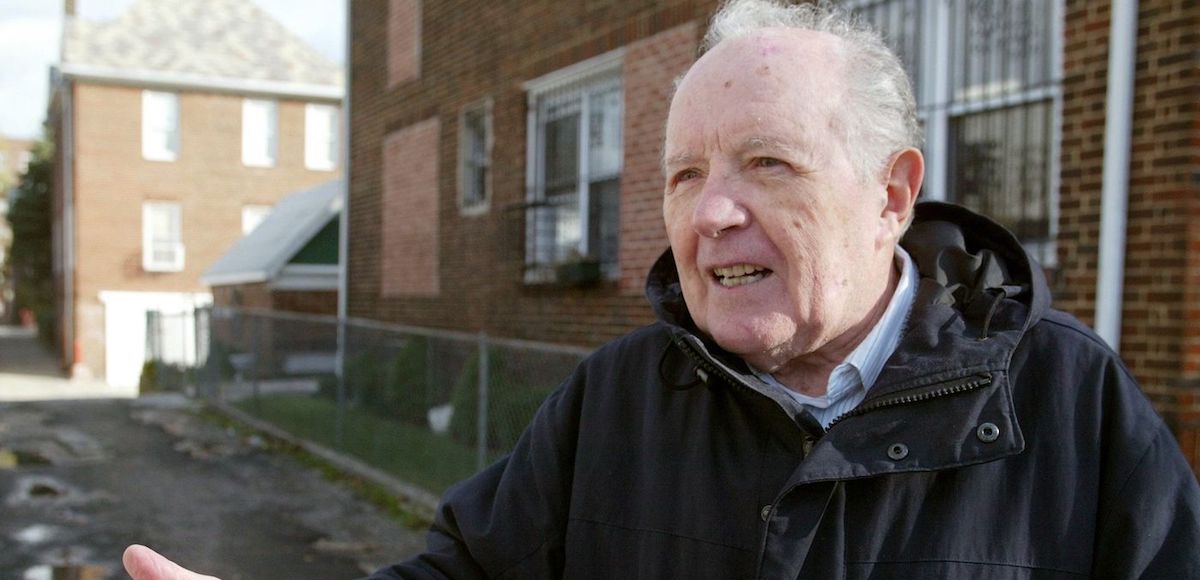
column 739, row 274
column 740, row 280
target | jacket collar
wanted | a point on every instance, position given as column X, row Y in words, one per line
column 978, row 293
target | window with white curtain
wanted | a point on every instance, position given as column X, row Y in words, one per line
column 162, row 237
column 576, row 158
column 988, row 82
column 160, row 126
column 260, row 127
column 320, row 137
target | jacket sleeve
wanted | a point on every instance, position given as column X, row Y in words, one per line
column 1149, row 524
column 508, row 521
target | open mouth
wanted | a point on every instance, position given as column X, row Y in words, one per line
column 740, row 274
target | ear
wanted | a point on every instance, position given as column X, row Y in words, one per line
column 903, row 180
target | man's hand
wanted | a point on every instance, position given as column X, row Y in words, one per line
column 142, row 563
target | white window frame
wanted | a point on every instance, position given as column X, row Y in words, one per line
column 937, row 89
column 172, row 244
column 260, row 132
column 320, row 150
column 160, row 126
column 467, row 165
column 587, row 75
column 253, row 215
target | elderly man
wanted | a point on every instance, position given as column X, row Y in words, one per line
column 817, row 400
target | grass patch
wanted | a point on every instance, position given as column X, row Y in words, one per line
column 411, row 453
column 372, row 492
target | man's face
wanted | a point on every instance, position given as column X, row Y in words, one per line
column 781, row 247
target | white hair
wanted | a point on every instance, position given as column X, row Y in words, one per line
column 880, row 115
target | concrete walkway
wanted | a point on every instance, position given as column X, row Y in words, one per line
column 29, row 371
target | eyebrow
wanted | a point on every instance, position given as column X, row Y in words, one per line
column 760, row 143
column 753, row 144
column 680, row 159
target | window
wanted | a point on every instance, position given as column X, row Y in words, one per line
column 474, row 159
column 575, row 161
column 160, row 126
column 259, row 133
column 162, row 237
column 988, row 80
column 320, row 137
column 252, row 215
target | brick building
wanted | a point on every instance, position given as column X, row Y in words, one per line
column 178, row 125
column 504, row 163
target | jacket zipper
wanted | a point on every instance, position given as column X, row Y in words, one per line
column 706, row 367
column 953, row 387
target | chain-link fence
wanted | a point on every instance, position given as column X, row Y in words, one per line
column 427, row 406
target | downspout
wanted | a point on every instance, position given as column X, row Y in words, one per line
column 1110, row 280
column 68, row 226
column 344, row 217
column 343, row 238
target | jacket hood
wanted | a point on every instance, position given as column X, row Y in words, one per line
column 978, row 292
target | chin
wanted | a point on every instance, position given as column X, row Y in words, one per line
column 754, row 342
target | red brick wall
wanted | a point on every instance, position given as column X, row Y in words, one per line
column 208, row 180
column 410, row 211
column 1160, row 334
column 474, row 51
column 651, row 67
column 260, row 295
column 404, row 41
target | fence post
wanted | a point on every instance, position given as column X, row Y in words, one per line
column 339, row 371
column 482, row 427
column 259, row 331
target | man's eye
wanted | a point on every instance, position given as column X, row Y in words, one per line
column 686, row 175
column 766, row 162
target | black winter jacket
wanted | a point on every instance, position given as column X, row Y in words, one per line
column 1001, row 440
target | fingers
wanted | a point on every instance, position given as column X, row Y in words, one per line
column 142, row 563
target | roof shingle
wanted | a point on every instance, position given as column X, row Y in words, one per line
column 218, row 39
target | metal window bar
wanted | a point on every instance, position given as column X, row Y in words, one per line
column 571, row 214
column 987, row 76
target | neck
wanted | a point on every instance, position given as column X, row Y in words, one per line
column 809, row 374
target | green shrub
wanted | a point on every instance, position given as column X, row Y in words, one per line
column 407, row 382
column 511, row 404
column 395, row 387
column 158, row 376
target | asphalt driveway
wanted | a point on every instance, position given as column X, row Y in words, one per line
column 81, row 479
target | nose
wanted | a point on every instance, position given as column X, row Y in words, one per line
column 718, row 210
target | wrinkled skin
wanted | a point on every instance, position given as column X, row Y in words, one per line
column 757, row 173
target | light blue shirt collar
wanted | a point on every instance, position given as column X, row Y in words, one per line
column 849, row 382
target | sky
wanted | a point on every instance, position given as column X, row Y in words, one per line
column 31, row 32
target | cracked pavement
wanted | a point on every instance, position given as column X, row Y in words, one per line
column 80, row 480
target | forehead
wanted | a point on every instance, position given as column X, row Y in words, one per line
column 781, row 82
